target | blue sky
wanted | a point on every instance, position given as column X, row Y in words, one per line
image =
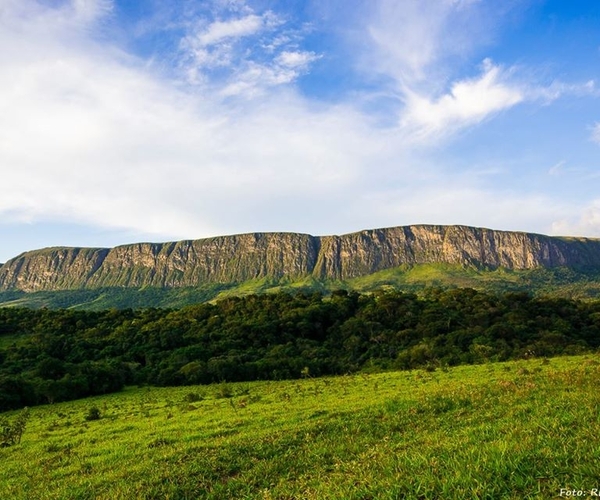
column 124, row 121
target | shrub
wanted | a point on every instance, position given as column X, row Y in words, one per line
column 11, row 432
column 193, row 397
column 93, row 414
column 223, row 391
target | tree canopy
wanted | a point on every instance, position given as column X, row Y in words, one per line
column 55, row 355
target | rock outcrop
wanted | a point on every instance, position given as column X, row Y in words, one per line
column 232, row 259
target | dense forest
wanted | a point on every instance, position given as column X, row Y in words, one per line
column 54, row 355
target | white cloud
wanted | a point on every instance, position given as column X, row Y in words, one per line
column 72, row 17
column 89, row 135
column 218, row 43
column 413, row 37
column 296, row 59
column 95, row 141
column 419, row 44
column 244, row 55
column 255, row 78
column 235, row 28
column 406, row 34
column 461, row 201
column 423, row 48
column 583, row 221
column 468, row 102
column 557, row 89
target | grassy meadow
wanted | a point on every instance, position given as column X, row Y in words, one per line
column 515, row 430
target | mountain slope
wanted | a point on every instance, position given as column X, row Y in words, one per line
column 239, row 258
column 408, row 257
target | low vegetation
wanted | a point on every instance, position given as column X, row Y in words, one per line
column 11, row 431
column 523, row 429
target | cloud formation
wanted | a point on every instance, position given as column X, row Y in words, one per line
column 585, row 222
column 93, row 134
column 414, row 38
column 411, row 44
column 468, row 102
column 245, row 54
column 98, row 141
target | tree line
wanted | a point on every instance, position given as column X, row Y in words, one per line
column 49, row 355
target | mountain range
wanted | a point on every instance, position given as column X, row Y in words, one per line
column 202, row 269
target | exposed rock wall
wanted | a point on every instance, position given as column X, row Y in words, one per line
column 243, row 257
column 369, row 251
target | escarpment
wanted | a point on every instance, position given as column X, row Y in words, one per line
column 369, row 251
column 238, row 258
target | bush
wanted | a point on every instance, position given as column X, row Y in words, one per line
column 223, row 391
column 11, row 432
column 193, row 397
column 93, row 414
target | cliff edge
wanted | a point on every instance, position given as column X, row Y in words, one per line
column 237, row 258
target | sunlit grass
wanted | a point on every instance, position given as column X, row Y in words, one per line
column 512, row 430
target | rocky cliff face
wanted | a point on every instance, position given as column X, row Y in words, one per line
column 230, row 259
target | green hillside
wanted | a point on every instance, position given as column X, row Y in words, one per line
column 516, row 430
column 558, row 282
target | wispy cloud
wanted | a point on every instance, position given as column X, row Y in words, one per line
column 256, row 78
column 468, row 102
column 236, row 28
column 62, row 21
column 91, row 134
column 218, row 44
column 99, row 141
column 558, row 89
column 244, row 54
column 414, row 37
column 460, row 199
column 412, row 44
column 584, row 222
column 297, row 59
column 424, row 46
column 558, row 168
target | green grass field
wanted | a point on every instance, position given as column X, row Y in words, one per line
column 512, row 430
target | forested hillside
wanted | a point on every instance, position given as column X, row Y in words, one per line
column 53, row 355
